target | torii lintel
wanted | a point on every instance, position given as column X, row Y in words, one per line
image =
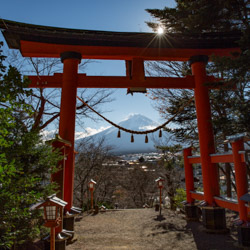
column 84, row 81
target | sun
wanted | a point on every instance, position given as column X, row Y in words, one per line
column 160, row 30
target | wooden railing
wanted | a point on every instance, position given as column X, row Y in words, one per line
column 238, row 158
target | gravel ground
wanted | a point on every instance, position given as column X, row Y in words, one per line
column 136, row 229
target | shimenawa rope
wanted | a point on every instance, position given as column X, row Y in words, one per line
column 139, row 132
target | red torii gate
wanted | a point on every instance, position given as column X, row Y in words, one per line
column 71, row 45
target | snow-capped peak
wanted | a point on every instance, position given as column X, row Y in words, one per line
column 120, row 145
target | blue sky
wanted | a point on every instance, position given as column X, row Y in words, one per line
column 110, row 15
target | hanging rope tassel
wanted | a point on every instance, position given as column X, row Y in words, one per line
column 132, row 138
column 146, row 139
column 160, row 133
column 119, row 134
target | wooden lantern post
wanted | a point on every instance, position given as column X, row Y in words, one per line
column 160, row 186
column 91, row 189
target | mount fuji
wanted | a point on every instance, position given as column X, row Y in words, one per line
column 123, row 144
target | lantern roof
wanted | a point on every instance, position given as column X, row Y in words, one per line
column 50, row 199
column 92, row 181
column 159, row 179
column 46, row 41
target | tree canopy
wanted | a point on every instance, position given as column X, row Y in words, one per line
column 230, row 106
column 25, row 162
column 191, row 16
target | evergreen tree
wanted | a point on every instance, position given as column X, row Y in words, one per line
column 230, row 107
column 25, row 163
column 196, row 16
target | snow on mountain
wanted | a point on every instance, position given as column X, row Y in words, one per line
column 88, row 132
column 123, row 144
column 50, row 134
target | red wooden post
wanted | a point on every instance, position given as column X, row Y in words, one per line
column 160, row 186
column 240, row 177
column 91, row 189
column 206, row 137
column 52, row 238
column 92, row 198
column 189, row 175
column 67, row 117
column 59, row 176
column 160, row 200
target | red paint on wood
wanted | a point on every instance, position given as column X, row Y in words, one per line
column 240, row 177
column 194, row 160
column 67, row 123
column 222, row 158
column 189, row 175
column 206, row 137
column 226, row 204
column 197, row 196
column 38, row 49
column 84, row 81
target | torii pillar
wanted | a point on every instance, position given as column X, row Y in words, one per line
column 67, row 118
column 213, row 217
column 205, row 128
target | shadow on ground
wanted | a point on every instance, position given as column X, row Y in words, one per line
column 160, row 218
column 208, row 241
column 195, row 229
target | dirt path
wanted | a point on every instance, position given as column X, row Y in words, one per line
column 136, row 229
